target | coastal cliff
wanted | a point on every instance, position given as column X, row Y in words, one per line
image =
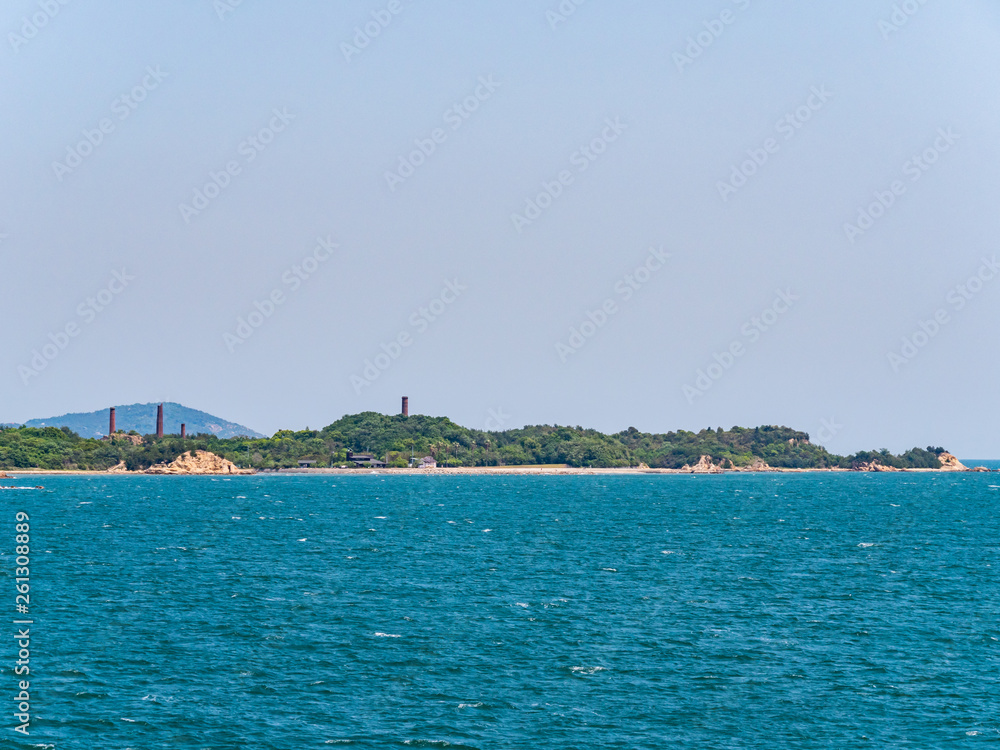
column 951, row 463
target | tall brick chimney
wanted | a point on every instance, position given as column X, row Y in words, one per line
column 184, row 432
column 406, row 406
column 111, row 422
column 159, row 421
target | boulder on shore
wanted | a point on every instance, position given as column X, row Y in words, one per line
column 873, row 466
column 704, row 466
column 118, row 468
column 201, row 462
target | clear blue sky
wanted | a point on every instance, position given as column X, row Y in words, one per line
column 819, row 182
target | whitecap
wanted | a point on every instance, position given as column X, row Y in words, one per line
column 521, row 604
column 486, row 531
column 470, row 705
column 387, row 635
column 610, row 570
column 381, row 518
column 237, row 518
column 586, row 670
column 867, row 544
column 302, row 540
column 667, row 552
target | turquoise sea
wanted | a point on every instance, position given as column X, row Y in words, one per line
column 736, row 611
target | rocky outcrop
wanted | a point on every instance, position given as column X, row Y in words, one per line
column 201, row 462
column 759, row 464
column 118, row 468
column 981, row 469
column 123, row 437
column 872, row 466
column 5, row 475
column 704, row 466
column 950, row 463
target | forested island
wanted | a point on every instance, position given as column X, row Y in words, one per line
column 395, row 439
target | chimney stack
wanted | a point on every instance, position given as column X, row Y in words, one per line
column 406, row 406
column 111, row 422
column 184, row 432
column 159, row 421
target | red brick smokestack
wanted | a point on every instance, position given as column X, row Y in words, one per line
column 184, row 432
column 159, row 421
column 111, row 422
column 406, row 406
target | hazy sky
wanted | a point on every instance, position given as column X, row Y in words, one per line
column 659, row 214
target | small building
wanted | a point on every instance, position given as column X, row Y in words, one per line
column 427, row 462
column 365, row 460
column 306, row 463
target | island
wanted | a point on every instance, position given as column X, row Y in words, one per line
column 372, row 441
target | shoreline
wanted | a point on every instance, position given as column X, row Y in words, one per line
column 14, row 474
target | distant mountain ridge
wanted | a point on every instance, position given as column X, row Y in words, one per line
column 142, row 419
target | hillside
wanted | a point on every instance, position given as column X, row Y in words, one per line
column 395, row 438
column 142, row 419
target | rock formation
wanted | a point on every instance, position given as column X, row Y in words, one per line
column 704, row 466
column 119, row 436
column 950, row 463
column 872, row 466
column 118, row 468
column 201, row 462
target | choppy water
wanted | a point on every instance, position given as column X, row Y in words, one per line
column 800, row 611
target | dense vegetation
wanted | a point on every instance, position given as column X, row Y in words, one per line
column 396, row 438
